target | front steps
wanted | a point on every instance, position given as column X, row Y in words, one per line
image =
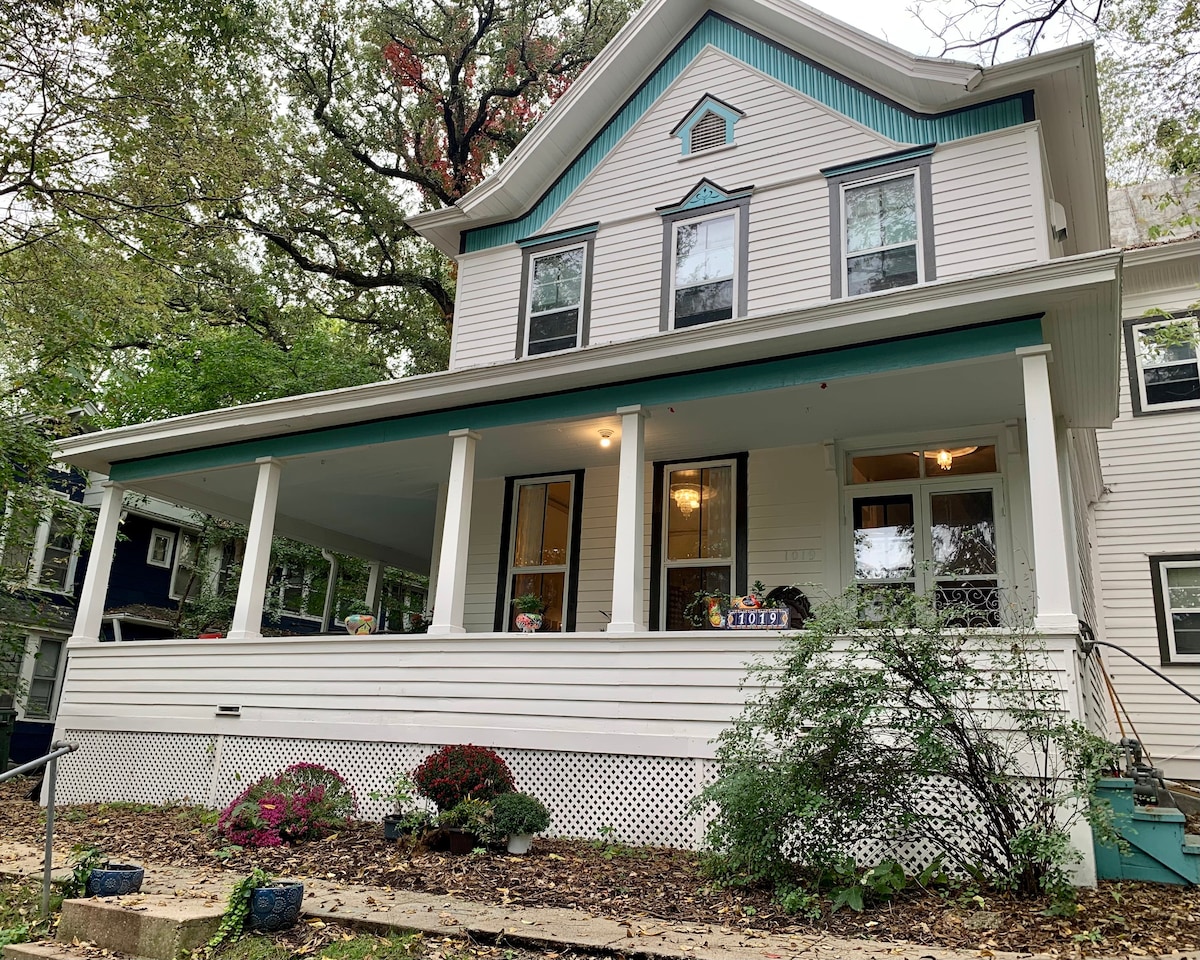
column 153, row 926
column 1158, row 847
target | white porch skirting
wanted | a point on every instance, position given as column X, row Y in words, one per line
column 608, row 732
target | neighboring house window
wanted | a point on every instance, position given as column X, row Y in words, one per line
column 699, row 544
column 541, row 555
column 881, row 224
column 43, row 685
column 708, row 125
column 162, row 547
column 41, row 543
column 555, row 293
column 704, row 258
column 301, row 589
column 1164, row 364
column 185, row 580
column 1175, row 580
column 925, row 522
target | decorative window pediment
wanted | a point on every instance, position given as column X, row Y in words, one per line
column 705, row 194
column 709, row 124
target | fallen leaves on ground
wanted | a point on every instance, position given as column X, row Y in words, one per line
column 649, row 888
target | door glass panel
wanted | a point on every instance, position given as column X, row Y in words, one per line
column 540, row 552
column 964, row 533
column 883, row 538
column 550, row 587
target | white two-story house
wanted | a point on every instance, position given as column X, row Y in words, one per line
column 761, row 298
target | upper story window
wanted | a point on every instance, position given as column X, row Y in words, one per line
column 1164, row 364
column 704, row 257
column 41, row 542
column 1176, row 585
column 881, row 227
column 708, row 125
column 161, row 549
column 556, row 292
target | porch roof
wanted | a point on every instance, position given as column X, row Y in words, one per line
column 1078, row 299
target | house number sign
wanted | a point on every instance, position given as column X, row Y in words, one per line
column 762, row 618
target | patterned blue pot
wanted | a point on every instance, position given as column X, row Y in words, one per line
column 276, row 907
column 114, row 880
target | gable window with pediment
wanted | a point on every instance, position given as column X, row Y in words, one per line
column 704, row 257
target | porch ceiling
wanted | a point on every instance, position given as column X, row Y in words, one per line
column 379, row 501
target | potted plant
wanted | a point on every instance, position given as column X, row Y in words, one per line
column 259, row 902
column 96, row 876
column 529, row 612
column 467, row 824
column 406, row 817
column 520, row 816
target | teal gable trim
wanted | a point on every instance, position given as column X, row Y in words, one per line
column 788, row 67
column 558, row 235
column 883, row 357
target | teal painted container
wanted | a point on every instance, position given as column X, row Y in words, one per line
column 1156, row 846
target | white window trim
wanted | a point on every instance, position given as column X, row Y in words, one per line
column 34, row 649
column 734, row 279
column 664, row 532
column 1169, row 625
column 912, row 174
column 530, row 313
column 924, row 579
column 167, row 535
column 563, row 568
column 1146, row 405
column 183, row 535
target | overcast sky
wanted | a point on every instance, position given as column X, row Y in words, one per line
column 889, row 19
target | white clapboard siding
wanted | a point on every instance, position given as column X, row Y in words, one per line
column 788, row 506
column 988, row 202
column 487, row 301
column 1151, row 506
column 487, row 512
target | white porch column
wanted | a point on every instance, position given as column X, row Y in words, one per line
column 95, row 582
column 629, row 590
column 449, row 603
column 374, row 587
column 1052, row 571
column 256, row 565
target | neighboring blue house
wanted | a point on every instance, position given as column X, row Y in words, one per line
column 155, row 569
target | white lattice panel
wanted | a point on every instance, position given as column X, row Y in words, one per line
column 139, row 767
column 642, row 799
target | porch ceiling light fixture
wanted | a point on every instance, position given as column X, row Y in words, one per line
column 688, row 496
column 945, row 457
column 605, row 437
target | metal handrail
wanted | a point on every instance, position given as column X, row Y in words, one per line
column 50, row 760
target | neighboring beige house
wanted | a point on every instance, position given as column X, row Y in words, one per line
column 1147, row 536
column 761, row 298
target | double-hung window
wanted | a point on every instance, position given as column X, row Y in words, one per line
column 555, row 294
column 704, row 269
column 1176, row 584
column 699, row 543
column 881, row 224
column 1164, row 364
column 41, row 542
column 926, row 521
column 542, row 555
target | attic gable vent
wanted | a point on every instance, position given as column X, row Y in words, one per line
column 708, row 132
column 709, row 124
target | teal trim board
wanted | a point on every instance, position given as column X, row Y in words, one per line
column 788, row 67
column 882, row 357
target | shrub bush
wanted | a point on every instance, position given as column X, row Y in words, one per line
column 458, row 771
column 884, row 738
column 515, row 813
column 299, row 803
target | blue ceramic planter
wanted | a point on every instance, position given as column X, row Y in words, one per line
column 114, row 880
column 276, row 907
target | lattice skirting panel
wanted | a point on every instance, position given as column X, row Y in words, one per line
column 642, row 799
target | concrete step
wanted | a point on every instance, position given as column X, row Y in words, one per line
column 154, row 926
column 47, row 951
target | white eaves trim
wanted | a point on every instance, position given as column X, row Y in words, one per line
column 920, row 309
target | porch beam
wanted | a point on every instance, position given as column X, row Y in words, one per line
column 629, row 591
column 449, row 604
column 1052, row 573
column 256, row 565
column 90, row 615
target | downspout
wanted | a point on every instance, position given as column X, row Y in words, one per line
column 330, row 590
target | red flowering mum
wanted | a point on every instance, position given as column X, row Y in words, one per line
column 304, row 801
column 458, row 771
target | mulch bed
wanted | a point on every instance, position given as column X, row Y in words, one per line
column 637, row 884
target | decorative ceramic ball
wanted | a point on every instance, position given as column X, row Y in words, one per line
column 360, row 624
